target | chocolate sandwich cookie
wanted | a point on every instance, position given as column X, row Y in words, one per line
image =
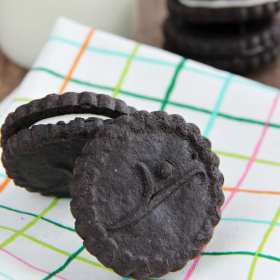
column 236, row 48
column 42, row 158
column 147, row 194
column 222, row 11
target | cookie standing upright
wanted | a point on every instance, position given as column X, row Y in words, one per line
column 42, row 158
column 147, row 194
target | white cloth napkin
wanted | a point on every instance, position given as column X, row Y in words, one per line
column 241, row 117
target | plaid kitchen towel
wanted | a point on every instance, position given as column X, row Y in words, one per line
column 241, row 117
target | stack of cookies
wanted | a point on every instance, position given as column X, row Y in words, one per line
column 234, row 35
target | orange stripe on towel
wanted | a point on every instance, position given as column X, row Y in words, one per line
column 253, row 191
column 4, row 184
column 76, row 61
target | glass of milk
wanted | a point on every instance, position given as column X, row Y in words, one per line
column 26, row 25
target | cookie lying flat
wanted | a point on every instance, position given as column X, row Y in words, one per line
column 222, row 11
column 147, row 194
column 42, row 158
column 231, row 47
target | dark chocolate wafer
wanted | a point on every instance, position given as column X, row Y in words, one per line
column 236, row 48
column 56, row 105
column 147, row 194
column 42, row 158
column 222, row 11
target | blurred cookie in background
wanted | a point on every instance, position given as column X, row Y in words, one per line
column 237, row 48
column 222, row 11
column 239, row 36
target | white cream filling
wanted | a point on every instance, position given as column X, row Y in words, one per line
column 215, row 4
column 68, row 118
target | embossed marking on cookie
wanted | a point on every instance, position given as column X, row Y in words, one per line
column 150, row 199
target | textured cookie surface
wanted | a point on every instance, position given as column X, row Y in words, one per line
column 222, row 11
column 55, row 105
column 233, row 47
column 42, row 158
column 146, row 194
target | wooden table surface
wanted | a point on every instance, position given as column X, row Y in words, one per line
column 10, row 76
column 151, row 14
